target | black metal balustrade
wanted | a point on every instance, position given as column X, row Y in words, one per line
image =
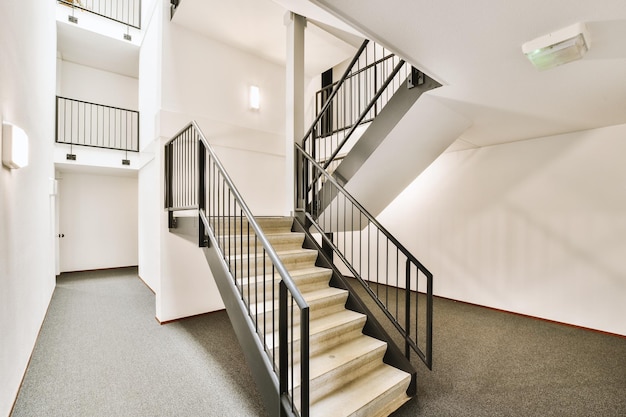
column 127, row 12
column 96, row 125
column 195, row 179
column 400, row 286
column 369, row 82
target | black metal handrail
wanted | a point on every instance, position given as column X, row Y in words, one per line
column 127, row 12
column 96, row 125
column 196, row 179
column 367, row 85
column 385, row 269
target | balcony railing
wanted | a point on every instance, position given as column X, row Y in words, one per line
column 96, row 125
column 127, row 12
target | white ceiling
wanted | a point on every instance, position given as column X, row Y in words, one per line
column 474, row 48
column 257, row 26
column 75, row 44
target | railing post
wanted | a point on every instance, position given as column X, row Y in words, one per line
column 201, row 184
column 283, row 341
column 407, row 313
column 429, row 321
column 169, row 188
column 304, row 362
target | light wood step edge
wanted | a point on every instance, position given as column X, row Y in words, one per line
column 306, row 279
column 321, row 302
column 293, row 260
column 276, row 240
column 376, row 394
column 327, row 331
column 332, row 368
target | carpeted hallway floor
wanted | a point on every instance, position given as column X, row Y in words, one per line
column 102, row 353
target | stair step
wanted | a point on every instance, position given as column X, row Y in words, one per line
column 292, row 259
column 376, row 394
column 268, row 224
column 327, row 331
column 332, row 368
column 306, row 279
column 321, row 302
column 248, row 244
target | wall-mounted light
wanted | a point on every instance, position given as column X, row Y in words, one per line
column 14, row 146
column 559, row 47
column 255, row 97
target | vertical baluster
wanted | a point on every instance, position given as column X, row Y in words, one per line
column 407, row 307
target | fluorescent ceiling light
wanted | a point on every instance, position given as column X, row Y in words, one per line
column 557, row 48
column 14, row 146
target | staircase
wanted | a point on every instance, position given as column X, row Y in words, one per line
column 347, row 374
column 322, row 302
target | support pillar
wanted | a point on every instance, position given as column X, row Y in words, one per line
column 294, row 88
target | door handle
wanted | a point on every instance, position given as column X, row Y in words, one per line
column 61, row 235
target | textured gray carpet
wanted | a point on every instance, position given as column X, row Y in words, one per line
column 490, row 363
column 101, row 353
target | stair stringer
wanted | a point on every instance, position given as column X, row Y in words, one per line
column 258, row 362
column 393, row 355
column 379, row 128
column 416, row 141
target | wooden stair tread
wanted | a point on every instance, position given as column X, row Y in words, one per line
column 329, row 359
column 342, row 320
column 281, row 254
column 370, row 395
column 311, row 298
column 355, row 350
column 296, row 274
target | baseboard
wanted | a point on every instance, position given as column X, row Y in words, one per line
column 188, row 317
column 535, row 318
column 512, row 312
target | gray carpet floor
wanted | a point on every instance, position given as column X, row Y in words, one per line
column 102, row 353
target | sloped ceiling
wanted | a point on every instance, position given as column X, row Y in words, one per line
column 257, row 26
column 474, row 49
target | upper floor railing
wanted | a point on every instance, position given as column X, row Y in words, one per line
column 369, row 82
column 127, row 12
column 96, row 125
column 196, row 179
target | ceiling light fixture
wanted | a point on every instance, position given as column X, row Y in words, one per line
column 559, row 47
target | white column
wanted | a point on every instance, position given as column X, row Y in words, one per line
column 294, row 88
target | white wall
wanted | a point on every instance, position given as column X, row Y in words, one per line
column 197, row 78
column 203, row 77
column 85, row 83
column 534, row 227
column 257, row 176
column 150, row 194
column 27, row 87
column 150, row 208
column 98, row 216
column 149, row 86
